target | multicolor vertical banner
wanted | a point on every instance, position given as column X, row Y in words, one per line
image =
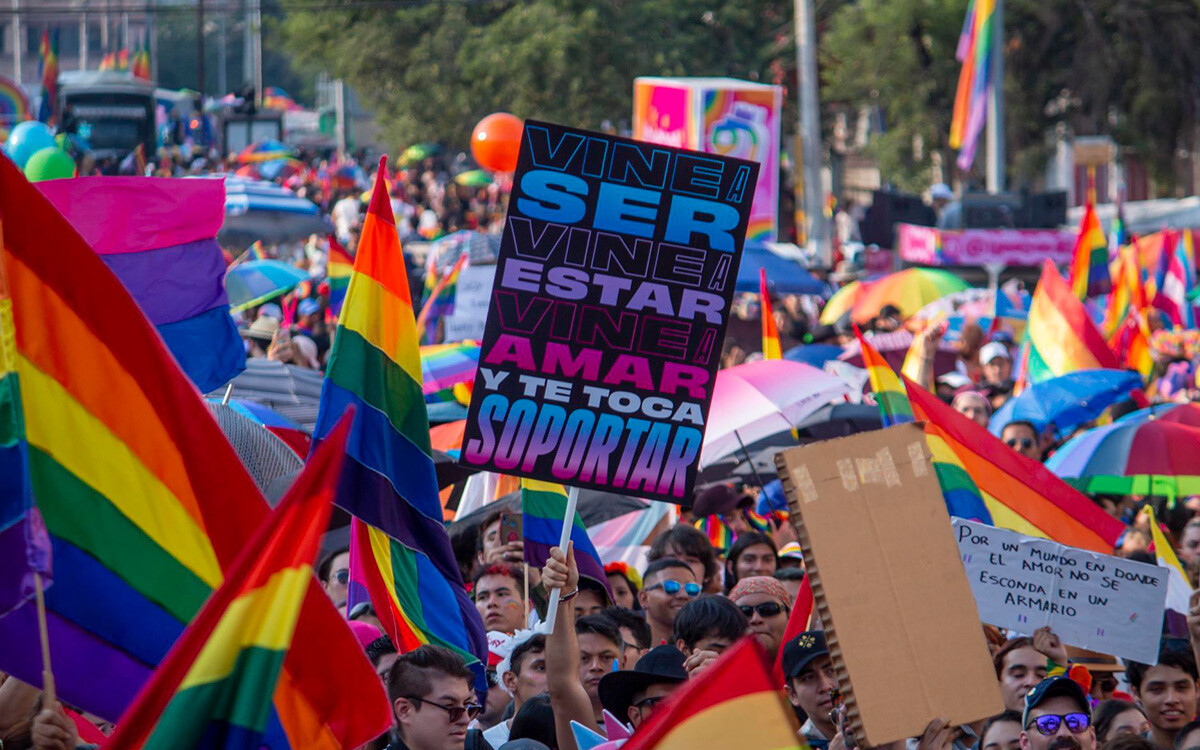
column 611, row 299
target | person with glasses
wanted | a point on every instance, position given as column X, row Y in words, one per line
column 634, row 694
column 1057, row 717
column 669, row 584
column 1022, row 437
column 334, row 575
column 764, row 602
column 1167, row 690
column 433, row 700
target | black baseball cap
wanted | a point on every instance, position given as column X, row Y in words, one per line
column 661, row 665
column 1052, row 687
column 799, row 652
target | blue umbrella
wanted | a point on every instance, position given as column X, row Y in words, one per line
column 1067, row 401
column 783, row 276
column 815, row 355
column 257, row 281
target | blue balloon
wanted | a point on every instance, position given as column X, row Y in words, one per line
column 26, row 139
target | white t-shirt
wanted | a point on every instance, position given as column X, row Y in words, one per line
column 345, row 216
column 498, row 735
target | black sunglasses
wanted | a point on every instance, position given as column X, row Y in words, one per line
column 1049, row 724
column 456, row 712
column 764, row 610
column 1019, row 442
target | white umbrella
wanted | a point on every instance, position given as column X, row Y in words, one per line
column 759, row 399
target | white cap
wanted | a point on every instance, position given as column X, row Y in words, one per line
column 954, row 379
column 993, row 350
column 941, row 191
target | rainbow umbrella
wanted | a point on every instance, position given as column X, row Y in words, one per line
column 1136, row 457
column 261, row 151
column 419, row 152
column 1186, row 414
column 476, row 178
column 909, row 290
column 444, row 366
column 257, row 281
column 759, row 399
column 842, row 301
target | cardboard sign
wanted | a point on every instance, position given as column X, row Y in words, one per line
column 1092, row 601
column 893, row 598
column 610, row 302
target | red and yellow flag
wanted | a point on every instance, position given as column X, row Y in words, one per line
column 712, row 710
column 770, row 333
column 1089, row 266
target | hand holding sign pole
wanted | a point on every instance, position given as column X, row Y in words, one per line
column 611, row 298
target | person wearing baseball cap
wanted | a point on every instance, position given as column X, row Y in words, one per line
column 996, row 364
column 634, row 693
column 1057, row 716
column 809, row 681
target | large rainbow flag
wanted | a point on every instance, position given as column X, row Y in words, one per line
column 1020, row 494
column 712, row 710
column 402, row 556
column 145, row 502
column 337, row 271
column 158, row 235
column 771, row 348
column 1060, row 335
column 543, row 508
column 889, row 391
column 214, row 689
column 974, row 80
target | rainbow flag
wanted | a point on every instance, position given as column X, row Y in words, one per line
column 1019, row 493
column 337, row 271
column 1179, row 591
column 214, row 689
column 24, row 545
column 771, row 348
column 141, row 61
column 720, row 536
column 167, row 258
column 402, row 555
column 543, row 511
column 48, row 72
column 974, row 80
column 255, row 251
column 1060, row 333
column 1131, row 343
column 1128, row 290
column 439, row 301
column 889, row 391
column 711, row 710
column 1089, row 265
column 145, row 502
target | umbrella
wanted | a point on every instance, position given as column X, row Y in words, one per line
column 971, row 303
column 449, row 470
column 297, row 438
column 839, row 420
column 446, row 411
column 594, row 507
column 476, row 178
column 894, row 346
column 1187, row 414
column 419, row 152
column 264, row 211
column 448, row 437
column 292, row 392
column 446, row 365
column 280, row 168
column 266, row 457
column 1147, row 457
column 757, row 399
column 263, row 151
column 257, row 281
column 784, row 276
column 815, row 355
column 842, row 302
column 1066, row 401
column 909, row 290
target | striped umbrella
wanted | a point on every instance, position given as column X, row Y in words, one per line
column 476, row 178
column 257, row 281
column 444, row 366
column 263, row 151
column 842, row 301
column 1137, row 457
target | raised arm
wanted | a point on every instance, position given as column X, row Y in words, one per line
column 567, row 696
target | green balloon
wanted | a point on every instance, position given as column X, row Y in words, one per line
column 49, row 164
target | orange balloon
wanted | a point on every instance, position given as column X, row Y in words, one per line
column 496, row 141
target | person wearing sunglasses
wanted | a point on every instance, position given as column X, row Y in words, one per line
column 669, row 584
column 764, row 602
column 1022, row 437
column 433, row 700
column 334, row 574
column 1057, row 716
